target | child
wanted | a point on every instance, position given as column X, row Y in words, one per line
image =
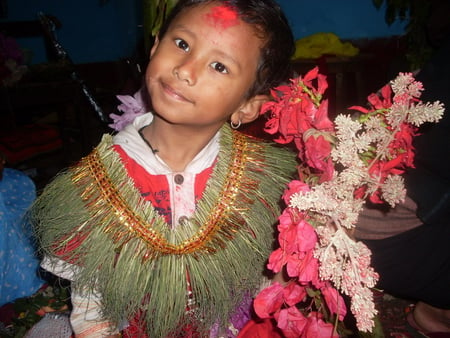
column 164, row 229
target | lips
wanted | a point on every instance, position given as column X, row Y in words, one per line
column 174, row 94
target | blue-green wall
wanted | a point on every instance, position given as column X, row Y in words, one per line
column 349, row 19
column 93, row 32
column 90, row 31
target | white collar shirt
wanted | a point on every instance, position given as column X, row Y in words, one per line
column 181, row 184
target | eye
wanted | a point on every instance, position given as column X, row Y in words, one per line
column 220, row 67
column 182, row 44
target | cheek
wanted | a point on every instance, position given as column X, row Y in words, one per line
column 148, row 76
column 158, row 58
column 230, row 100
column 154, row 69
column 150, row 79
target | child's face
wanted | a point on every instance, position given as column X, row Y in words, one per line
column 200, row 71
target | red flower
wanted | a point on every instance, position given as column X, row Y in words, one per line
column 360, row 192
column 321, row 120
column 382, row 101
column 322, row 83
column 310, row 76
column 294, row 110
column 317, row 150
column 403, row 144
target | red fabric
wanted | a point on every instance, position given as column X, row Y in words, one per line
column 260, row 329
column 155, row 188
column 28, row 141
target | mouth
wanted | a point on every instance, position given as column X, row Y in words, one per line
column 174, row 94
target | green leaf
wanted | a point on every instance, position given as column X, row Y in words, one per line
column 155, row 12
column 170, row 5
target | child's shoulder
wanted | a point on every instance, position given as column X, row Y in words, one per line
column 276, row 159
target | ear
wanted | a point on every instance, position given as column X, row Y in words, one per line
column 249, row 111
column 155, row 45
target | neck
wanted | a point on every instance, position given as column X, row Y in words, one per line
column 177, row 147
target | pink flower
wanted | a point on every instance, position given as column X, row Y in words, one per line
column 295, row 235
column 306, row 237
column 288, row 231
column 303, row 266
column 286, row 220
column 327, row 174
column 295, row 186
column 291, row 321
column 304, row 115
column 322, row 84
column 277, row 260
column 316, row 327
column 294, row 293
column 269, row 300
column 334, row 301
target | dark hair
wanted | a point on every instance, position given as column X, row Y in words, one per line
column 266, row 16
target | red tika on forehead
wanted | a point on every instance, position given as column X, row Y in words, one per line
column 222, row 17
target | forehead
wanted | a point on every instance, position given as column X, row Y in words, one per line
column 214, row 18
column 222, row 17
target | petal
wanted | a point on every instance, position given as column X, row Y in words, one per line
column 269, row 300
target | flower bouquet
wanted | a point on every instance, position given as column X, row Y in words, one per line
column 343, row 164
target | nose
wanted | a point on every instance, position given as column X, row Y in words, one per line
column 187, row 71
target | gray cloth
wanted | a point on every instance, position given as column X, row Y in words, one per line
column 52, row 325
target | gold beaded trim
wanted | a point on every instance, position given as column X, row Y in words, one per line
column 208, row 233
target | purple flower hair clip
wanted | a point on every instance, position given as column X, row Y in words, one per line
column 131, row 107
